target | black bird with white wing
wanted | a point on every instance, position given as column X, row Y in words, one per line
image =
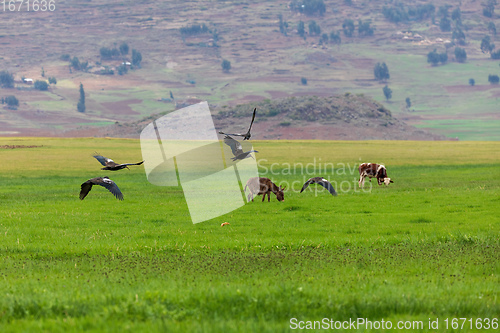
column 321, row 181
column 104, row 182
column 110, row 165
column 247, row 135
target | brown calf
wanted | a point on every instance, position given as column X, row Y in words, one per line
column 262, row 185
column 373, row 170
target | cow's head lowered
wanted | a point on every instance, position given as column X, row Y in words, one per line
column 382, row 175
column 373, row 170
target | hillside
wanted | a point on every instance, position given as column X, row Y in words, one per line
column 340, row 117
column 183, row 44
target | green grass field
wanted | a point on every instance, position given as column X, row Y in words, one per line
column 427, row 247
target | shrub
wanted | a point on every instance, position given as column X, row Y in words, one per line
column 6, row 80
column 460, row 54
column 226, row 65
column 41, row 85
column 11, row 101
column 308, row 7
column 493, row 79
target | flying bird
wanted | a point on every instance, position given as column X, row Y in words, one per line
column 247, row 135
column 110, row 165
column 322, row 181
column 103, row 181
column 236, row 148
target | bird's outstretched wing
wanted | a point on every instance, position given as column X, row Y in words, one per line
column 112, row 187
column 105, row 182
column 253, row 118
column 103, row 160
column 321, row 181
column 326, row 184
column 86, row 187
column 235, row 145
column 246, row 135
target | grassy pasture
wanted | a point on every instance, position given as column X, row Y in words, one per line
column 425, row 247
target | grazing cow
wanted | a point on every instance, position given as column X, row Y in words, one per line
column 373, row 170
column 262, row 185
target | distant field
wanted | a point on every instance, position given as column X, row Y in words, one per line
column 426, row 247
column 264, row 62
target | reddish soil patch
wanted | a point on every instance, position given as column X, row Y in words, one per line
column 122, row 107
column 17, row 146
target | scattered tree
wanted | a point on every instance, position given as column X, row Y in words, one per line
column 308, row 7
column 11, row 101
column 124, row 49
column 443, row 11
column 226, row 65
column 81, row 103
column 303, row 81
column 108, row 53
column 486, row 45
column 136, row 58
column 435, row 58
column 283, row 25
column 41, row 85
column 364, row 29
column 489, row 9
column 65, row 57
column 387, row 92
column 335, row 38
column 52, row 80
column 495, row 55
column 43, row 72
column 122, row 69
column 77, row 65
column 492, row 28
column 348, row 27
column 171, row 95
column 195, row 29
column 443, row 57
column 6, row 80
column 314, row 29
column 472, row 82
column 323, row 39
column 381, row 71
column 301, row 29
column 460, row 54
column 408, row 102
column 493, row 79
column 395, row 14
column 398, row 13
column 456, row 15
column 445, row 24
column 458, row 35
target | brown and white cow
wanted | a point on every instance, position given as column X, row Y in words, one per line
column 262, row 185
column 373, row 170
